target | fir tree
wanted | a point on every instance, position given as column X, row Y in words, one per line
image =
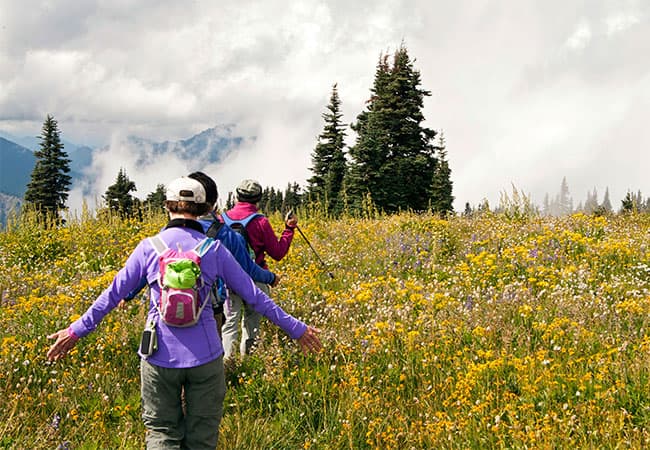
column 370, row 150
column 328, row 158
column 628, row 204
column 591, row 204
column 156, row 199
column 607, row 204
column 118, row 195
column 563, row 203
column 292, row 197
column 48, row 189
column 441, row 188
column 393, row 158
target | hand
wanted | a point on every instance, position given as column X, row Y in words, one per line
column 290, row 220
column 122, row 304
column 64, row 343
column 309, row 341
column 276, row 280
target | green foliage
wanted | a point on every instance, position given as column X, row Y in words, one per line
column 47, row 192
column 442, row 200
column 518, row 206
column 328, row 159
column 469, row 332
column 155, row 201
column 118, row 195
column 393, row 158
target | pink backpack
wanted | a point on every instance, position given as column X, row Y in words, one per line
column 180, row 280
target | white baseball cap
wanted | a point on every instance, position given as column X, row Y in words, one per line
column 185, row 189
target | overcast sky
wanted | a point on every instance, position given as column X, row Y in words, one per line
column 526, row 92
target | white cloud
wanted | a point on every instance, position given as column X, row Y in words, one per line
column 580, row 38
column 620, row 22
column 518, row 89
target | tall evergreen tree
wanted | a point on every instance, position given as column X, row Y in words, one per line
column 118, row 195
column 565, row 202
column 48, row 189
column 393, row 157
column 591, row 204
column 328, row 158
column 607, row 204
column 292, row 197
column 370, row 151
column 441, row 188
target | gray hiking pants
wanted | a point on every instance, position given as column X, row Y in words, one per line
column 162, row 412
column 235, row 311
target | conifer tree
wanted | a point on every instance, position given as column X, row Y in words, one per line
column 328, row 158
column 156, row 199
column 441, row 188
column 591, row 204
column 607, row 204
column 628, row 204
column 118, row 195
column 292, row 197
column 370, row 150
column 48, row 189
column 564, row 200
column 393, row 157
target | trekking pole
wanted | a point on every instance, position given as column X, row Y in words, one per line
column 330, row 274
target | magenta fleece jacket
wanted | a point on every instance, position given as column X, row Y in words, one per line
column 198, row 344
column 261, row 235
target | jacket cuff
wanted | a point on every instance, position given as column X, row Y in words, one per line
column 72, row 334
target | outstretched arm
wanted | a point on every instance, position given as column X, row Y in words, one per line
column 234, row 242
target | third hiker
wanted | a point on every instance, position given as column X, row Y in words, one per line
column 259, row 234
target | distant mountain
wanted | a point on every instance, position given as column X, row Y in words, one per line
column 16, row 165
column 8, row 203
column 209, row 146
column 17, row 158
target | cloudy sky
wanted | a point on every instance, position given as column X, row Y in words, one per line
column 526, row 92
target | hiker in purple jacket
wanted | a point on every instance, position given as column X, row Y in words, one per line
column 262, row 241
column 188, row 358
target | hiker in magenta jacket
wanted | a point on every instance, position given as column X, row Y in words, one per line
column 263, row 241
column 190, row 358
column 261, row 236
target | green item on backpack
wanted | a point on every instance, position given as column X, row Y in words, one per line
column 181, row 274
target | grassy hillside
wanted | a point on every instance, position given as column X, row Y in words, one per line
column 470, row 333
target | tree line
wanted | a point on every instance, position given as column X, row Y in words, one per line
column 395, row 163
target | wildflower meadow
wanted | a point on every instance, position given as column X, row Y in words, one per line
column 469, row 332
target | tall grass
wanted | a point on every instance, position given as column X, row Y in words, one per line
column 481, row 332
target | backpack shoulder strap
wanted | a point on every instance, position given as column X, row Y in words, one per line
column 244, row 222
column 158, row 244
column 214, row 228
column 203, row 246
column 226, row 219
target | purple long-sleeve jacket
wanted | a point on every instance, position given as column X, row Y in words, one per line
column 198, row 344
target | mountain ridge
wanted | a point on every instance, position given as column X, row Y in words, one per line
column 209, row 146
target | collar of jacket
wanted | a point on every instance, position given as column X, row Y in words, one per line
column 184, row 223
